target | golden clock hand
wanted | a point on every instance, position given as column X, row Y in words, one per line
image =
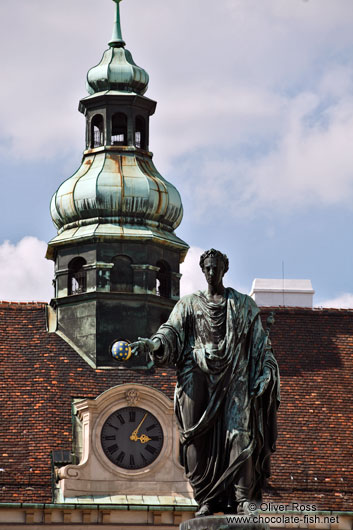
column 133, row 435
column 143, row 438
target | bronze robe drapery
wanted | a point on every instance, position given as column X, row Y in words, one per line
column 220, row 351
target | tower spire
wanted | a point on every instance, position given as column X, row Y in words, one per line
column 116, row 252
column 117, row 38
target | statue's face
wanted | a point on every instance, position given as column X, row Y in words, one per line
column 213, row 269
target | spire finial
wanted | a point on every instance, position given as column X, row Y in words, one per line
column 117, row 38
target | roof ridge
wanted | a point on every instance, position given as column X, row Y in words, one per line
column 5, row 303
column 316, row 309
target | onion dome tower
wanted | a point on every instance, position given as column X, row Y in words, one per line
column 116, row 254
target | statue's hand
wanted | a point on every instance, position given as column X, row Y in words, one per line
column 142, row 346
column 262, row 383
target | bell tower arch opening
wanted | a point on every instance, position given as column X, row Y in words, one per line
column 77, row 277
column 97, row 131
column 140, row 133
column 119, row 129
column 163, row 279
column 121, row 275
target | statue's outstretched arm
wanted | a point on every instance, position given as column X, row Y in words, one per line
column 143, row 346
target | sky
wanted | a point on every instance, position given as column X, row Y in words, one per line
column 254, row 126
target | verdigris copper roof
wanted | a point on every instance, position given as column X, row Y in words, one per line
column 111, row 191
column 117, row 70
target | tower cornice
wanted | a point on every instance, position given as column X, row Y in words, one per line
column 112, row 97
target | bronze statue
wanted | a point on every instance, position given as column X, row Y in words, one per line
column 227, row 391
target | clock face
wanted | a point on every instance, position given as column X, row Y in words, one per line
column 132, row 438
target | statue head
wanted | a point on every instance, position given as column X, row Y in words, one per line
column 212, row 253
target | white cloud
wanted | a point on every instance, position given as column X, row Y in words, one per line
column 265, row 98
column 192, row 276
column 25, row 274
column 343, row 301
column 308, row 162
column 236, row 117
column 313, row 162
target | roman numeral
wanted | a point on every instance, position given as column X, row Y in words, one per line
column 120, row 418
column 120, row 457
column 156, row 438
column 144, row 460
column 132, row 460
column 113, row 448
column 113, row 437
column 151, row 427
column 150, row 449
column 132, row 415
column 113, row 426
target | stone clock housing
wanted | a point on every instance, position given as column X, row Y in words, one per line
column 129, row 446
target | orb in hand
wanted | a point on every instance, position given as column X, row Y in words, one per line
column 121, row 350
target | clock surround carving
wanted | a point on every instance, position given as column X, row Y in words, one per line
column 132, row 396
column 97, row 475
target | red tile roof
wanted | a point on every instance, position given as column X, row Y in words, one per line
column 313, row 463
column 40, row 374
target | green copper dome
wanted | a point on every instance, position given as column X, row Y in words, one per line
column 117, row 69
column 118, row 190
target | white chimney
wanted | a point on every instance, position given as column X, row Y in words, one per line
column 288, row 293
